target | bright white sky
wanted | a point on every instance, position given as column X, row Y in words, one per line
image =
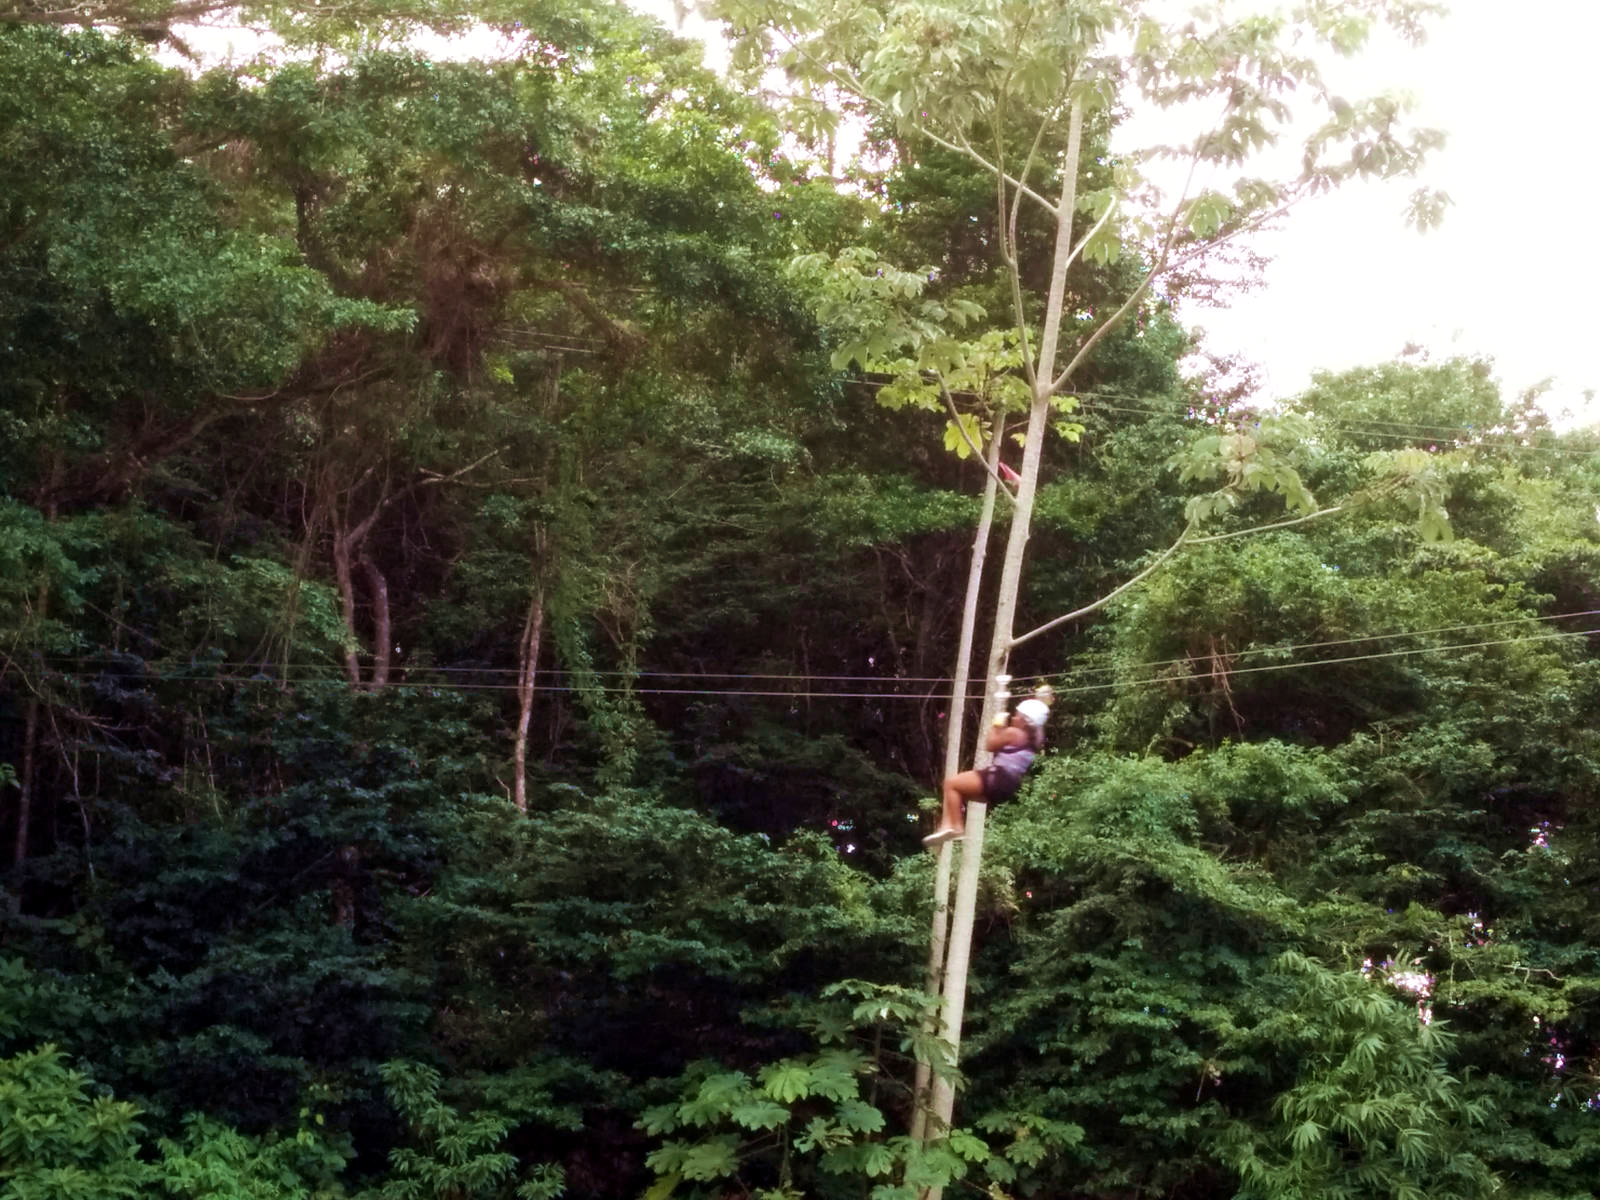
column 1505, row 277
column 1508, row 275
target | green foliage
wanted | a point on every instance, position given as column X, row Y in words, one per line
column 1302, row 905
column 1372, row 1113
column 1417, row 404
column 805, row 1121
column 119, row 242
column 58, row 1141
column 1246, row 461
column 36, row 562
column 211, row 1161
column 455, row 1155
column 877, row 310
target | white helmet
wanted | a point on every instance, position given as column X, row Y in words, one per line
column 1035, row 712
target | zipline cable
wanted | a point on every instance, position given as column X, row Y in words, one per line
column 333, row 677
column 904, row 679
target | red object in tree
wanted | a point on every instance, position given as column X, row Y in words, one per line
column 1009, row 475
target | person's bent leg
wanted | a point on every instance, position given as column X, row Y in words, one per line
column 958, row 789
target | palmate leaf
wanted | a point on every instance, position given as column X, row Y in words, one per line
column 1105, row 245
column 1010, row 391
column 701, row 1161
column 659, row 1119
column 1425, row 209
column 821, row 1135
column 933, row 1165
column 834, row 1073
column 1029, row 1151
column 909, row 389
column 759, row 1113
column 878, row 1160
column 968, row 1145
column 547, row 1181
column 908, row 1006
column 1071, row 431
column 945, row 355
column 712, row 1159
column 1306, row 1135
column 786, row 1081
column 859, row 1116
column 831, row 1028
column 714, row 1098
column 954, row 441
column 999, row 1170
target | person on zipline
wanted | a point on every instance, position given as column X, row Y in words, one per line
column 1013, row 742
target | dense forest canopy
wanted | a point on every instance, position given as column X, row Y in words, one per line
column 482, row 553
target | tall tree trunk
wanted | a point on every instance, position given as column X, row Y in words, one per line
column 954, row 724
column 960, row 941
column 532, row 634
column 382, row 630
column 345, row 878
column 349, row 552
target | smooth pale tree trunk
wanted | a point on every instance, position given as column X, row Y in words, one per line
column 922, row 1127
column 528, row 665
column 959, row 953
column 1038, row 414
column 937, row 940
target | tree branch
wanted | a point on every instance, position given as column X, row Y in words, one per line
column 1184, row 539
column 965, row 148
column 1027, row 166
column 1137, row 294
column 1094, row 229
column 622, row 339
column 955, row 417
column 1289, row 524
column 429, row 479
column 1109, row 596
column 1008, row 251
column 112, row 474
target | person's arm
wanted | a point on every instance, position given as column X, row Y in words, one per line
column 1001, row 737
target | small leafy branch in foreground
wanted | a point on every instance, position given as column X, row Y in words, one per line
column 772, row 1130
column 454, row 1156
